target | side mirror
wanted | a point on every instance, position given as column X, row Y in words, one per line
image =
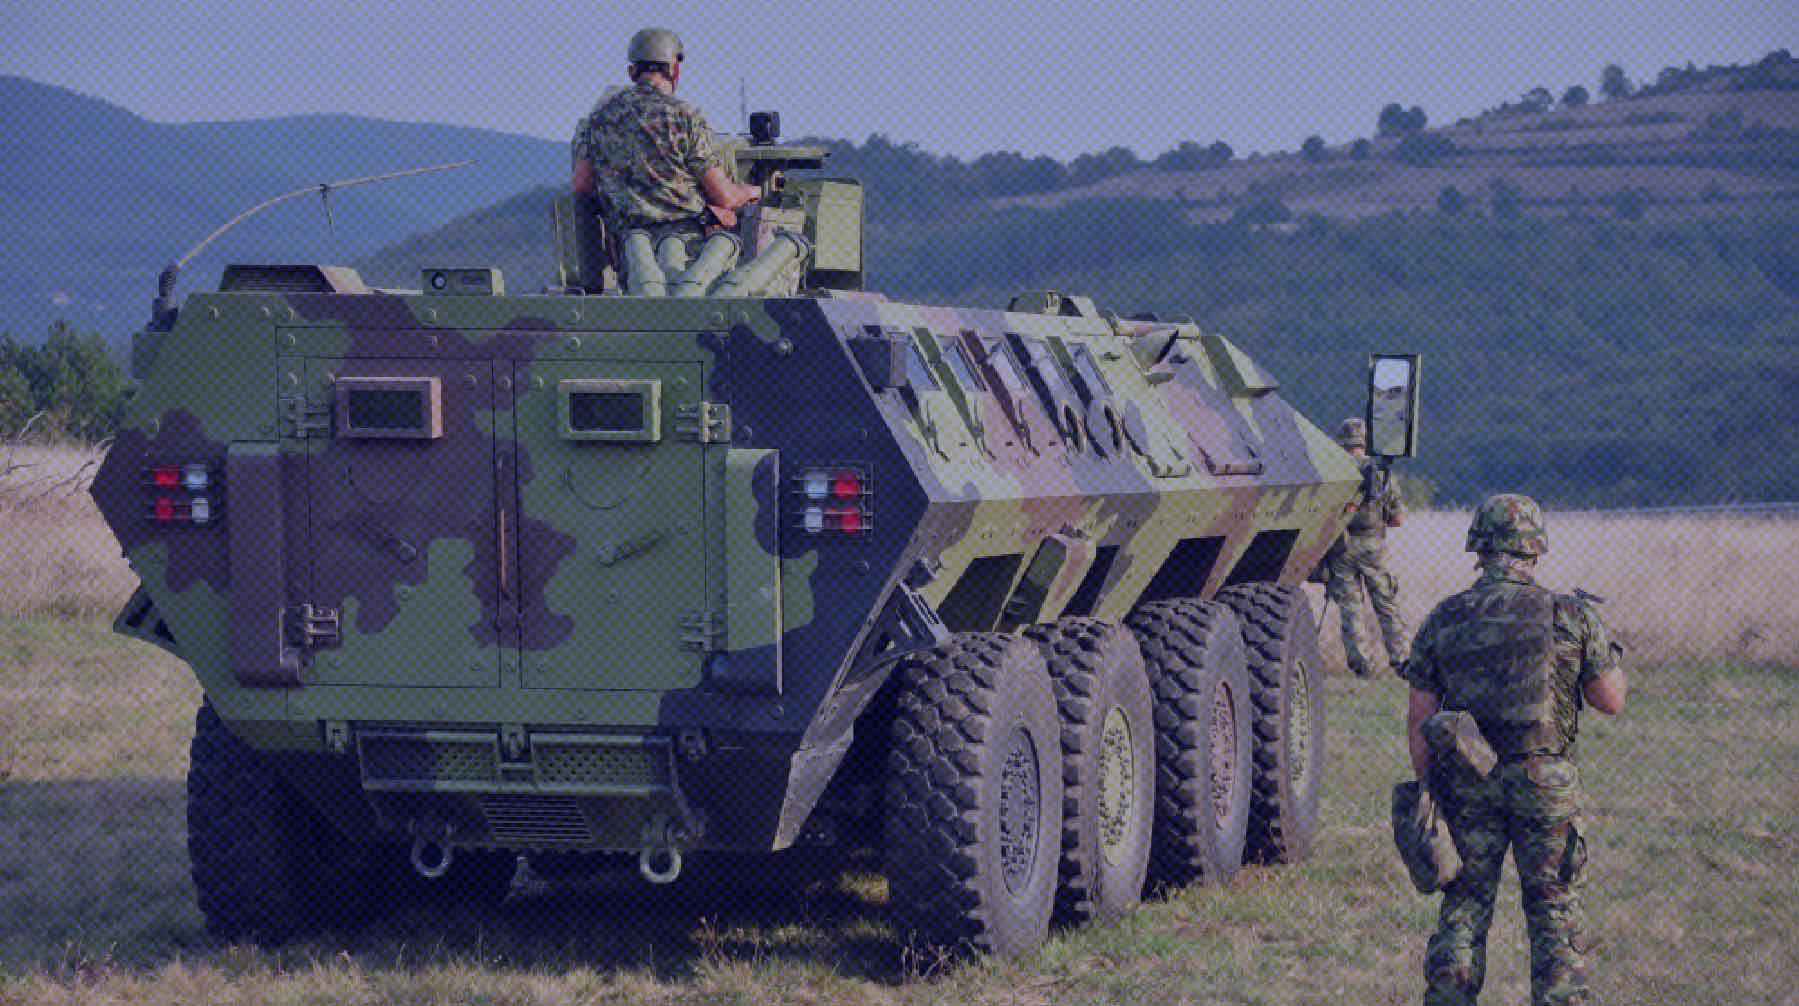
column 1393, row 405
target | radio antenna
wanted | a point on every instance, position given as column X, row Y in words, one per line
column 171, row 273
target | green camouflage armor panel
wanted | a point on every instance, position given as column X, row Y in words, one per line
column 1517, row 657
column 1358, row 561
column 508, row 561
column 648, row 150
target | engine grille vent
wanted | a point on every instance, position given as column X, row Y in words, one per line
column 526, row 820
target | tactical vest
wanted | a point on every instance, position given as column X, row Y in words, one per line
column 1497, row 652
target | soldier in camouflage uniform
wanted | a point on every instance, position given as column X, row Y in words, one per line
column 1520, row 659
column 1360, row 558
column 651, row 157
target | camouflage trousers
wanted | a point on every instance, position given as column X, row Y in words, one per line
column 1532, row 807
column 1354, row 562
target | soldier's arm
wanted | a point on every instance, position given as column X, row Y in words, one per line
column 1395, row 502
column 716, row 184
column 1602, row 679
column 724, row 192
column 1422, row 706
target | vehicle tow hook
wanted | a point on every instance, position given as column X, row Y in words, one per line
column 431, row 858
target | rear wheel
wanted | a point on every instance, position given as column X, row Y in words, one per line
column 1282, row 638
column 1108, row 765
column 1200, row 672
column 266, row 866
column 974, row 796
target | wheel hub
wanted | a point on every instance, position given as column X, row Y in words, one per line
column 1020, row 798
column 1222, row 732
column 1117, row 792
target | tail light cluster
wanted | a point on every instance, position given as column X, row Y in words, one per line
column 834, row 501
column 183, row 494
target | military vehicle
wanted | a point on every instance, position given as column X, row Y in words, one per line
column 735, row 558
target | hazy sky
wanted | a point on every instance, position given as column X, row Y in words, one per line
column 962, row 77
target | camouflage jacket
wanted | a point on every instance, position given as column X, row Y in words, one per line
column 648, row 150
column 1460, row 655
column 1380, row 509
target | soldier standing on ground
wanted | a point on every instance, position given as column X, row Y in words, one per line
column 651, row 157
column 1519, row 659
column 1360, row 558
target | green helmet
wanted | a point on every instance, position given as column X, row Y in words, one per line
column 1353, row 433
column 1510, row 523
column 655, row 45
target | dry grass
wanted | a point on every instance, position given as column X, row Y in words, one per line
column 1692, row 796
column 57, row 559
column 1693, row 890
column 1679, row 590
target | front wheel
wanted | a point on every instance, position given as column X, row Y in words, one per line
column 974, row 796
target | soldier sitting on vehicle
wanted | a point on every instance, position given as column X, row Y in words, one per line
column 1519, row 659
column 650, row 157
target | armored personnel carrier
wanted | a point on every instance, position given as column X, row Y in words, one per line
column 734, row 557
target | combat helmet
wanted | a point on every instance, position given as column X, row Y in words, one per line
column 1352, row 433
column 1508, row 522
column 655, row 45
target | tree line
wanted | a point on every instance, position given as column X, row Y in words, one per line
column 70, row 385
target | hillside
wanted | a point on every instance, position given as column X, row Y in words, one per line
column 1629, row 346
column 96, row 200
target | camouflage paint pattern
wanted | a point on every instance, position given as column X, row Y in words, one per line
column 1517, row 657
column 498, row 596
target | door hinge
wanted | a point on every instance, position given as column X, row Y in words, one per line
column 311, row 625
column 303, row 419
column 703, row 630
column 704, row 422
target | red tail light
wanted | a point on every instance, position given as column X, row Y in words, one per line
column 846, row 485
column 182, row 494
column 833, row 501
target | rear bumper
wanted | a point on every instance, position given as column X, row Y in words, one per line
column 556, row 792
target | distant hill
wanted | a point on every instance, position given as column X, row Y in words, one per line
column 1633, row 345
column 96, row 200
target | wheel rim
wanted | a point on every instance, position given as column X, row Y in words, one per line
column 1117, row 790
column 1223, row 734
column 1299, row 726
column 1020, row 800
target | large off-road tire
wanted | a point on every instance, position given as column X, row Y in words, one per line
column 1204, row 736
column 266, row 866
column 1287, row 675
column 1108, row 765
column 974, row 796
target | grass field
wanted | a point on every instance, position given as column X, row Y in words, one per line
column 1694, row 892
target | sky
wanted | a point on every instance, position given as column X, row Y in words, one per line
column 965, row 78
